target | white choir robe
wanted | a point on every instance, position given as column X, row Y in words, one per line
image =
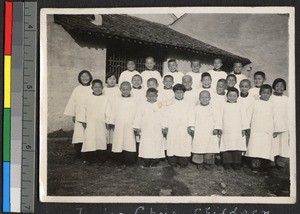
column 139, row 95
column 151, row 74
column 215, row 76
column 207, row 118
column 262, row 129
column 177, row 77
column 254, row 92
column 177, row 118
column 218, row 100
column 72, row 109
column 95, row 112
column 196, row 79
column 192, row 96
column 166, row 97
column 247, row 103
column 112, row 93
column 126, row 76
column 239, row 78
column 148, row 119
column 234, row 120
column 122, row 116
column 281, row 119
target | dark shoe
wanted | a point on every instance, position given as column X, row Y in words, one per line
column 227, row 166
column 236, row 167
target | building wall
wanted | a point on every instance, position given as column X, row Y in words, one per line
column 65, row 60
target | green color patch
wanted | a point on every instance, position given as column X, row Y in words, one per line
column 6, row 134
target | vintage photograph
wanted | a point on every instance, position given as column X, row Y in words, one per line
column 177, row 105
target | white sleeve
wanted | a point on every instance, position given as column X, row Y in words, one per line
column 217, row 117
column 70, row 109
column 108, row 111
column 138, row 119
column 82, row 111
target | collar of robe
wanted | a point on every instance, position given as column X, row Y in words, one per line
column 244, row 95
column 147, row 69
column 236, row 73
column 230, row 102
column 276, row 94
column 189, row 89
column 217, row 69
column 97, row 94
column 168, row 88
column 223, row 93
column 109, row 86
column 127, row 96
column 140, row 87
column 206, row 87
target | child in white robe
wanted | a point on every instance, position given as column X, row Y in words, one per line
column 72, row 109
column 195, row 73
column 122, row 117
column 129, row 73
column 281, row 119
column 111, row 91
column 218, row 98
column 173, row 71
column 94, row 115
column 208, row 125
column 137, row 91
column 150, row 72
column 206, row 83
column 217, row 72
column 231, row 80
column 167, row 94
column 245, row 99
column 148, row 125
column 234, row 126
column 191, row 95
column 259, row 79
column 260, row 147
column 178, row 126
column 237, row 71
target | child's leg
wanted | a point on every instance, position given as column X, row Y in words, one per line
column 227, row 159
column 236, row 159
column 78, row 147
column 89, row 157
column 183, row 161
column 172, row 160
column 146, row 162
column 155, row 161
column 101, row 156
column 198, row 160
column 255, row 163
column 209, row 160
column 117, row 158
column 129, row 157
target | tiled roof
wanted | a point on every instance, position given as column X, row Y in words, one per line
column 129, row 27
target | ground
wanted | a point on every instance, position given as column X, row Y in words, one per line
column 68, row 176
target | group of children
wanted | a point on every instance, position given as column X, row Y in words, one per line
column 181, row 118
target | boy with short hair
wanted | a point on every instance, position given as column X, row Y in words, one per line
column 195, row 73
column 237, row 71
column 173, row 71
column 218, row 98
column 178, row 126
column 150, row 72
column 231, row 80
column 206, row 83
column 217, row 72
column 191, row 95
column 129, row 73
column 122, row 117
column 167, row 94
column 147, row 124
column 137, row 91
column 259, row 79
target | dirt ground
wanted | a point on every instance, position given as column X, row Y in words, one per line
column 68, row 176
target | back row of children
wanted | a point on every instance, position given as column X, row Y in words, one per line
column 184, row 117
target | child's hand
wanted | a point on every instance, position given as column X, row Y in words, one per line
column 215, row 132
column 243, row 133
column 84, row 125
column 191, row 131
column 111, row 126
column 73, row 119
column 137, row 132
column 275, row 134
column 165, row 132
column 248, row 132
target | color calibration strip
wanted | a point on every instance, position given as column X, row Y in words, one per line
column 7, row 104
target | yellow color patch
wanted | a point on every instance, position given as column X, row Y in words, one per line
column 7, row 81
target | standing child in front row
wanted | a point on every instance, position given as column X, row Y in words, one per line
column 122, row 117
column 235, row 124
column 129, row 73
column 72, row 109
column 94, row 116
column 208, row 125
column 281, row 119
column 260, row 146
column 178, row 123
column 148, row 125
column 259, row 79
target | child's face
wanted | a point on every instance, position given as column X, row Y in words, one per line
column 204, row 98
column 151, row 97
column 111, row 81
column 244, row 87
column 206, row 82
column 221, row 87
column 238, row 67
column 168, row 82
column 217, row 63
column 265, row 94
column 85, row 78
column 172, row 66
column 150, row 63
column 179, row 94
column 187, row 82
column 258, row 80
column 231, row 81
column 152, row 84
column 97, row 88
column 195, row 67
column 232, row 97
column 130, row 66
column 279, row 88
column 125, row 90
column 136, row 81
